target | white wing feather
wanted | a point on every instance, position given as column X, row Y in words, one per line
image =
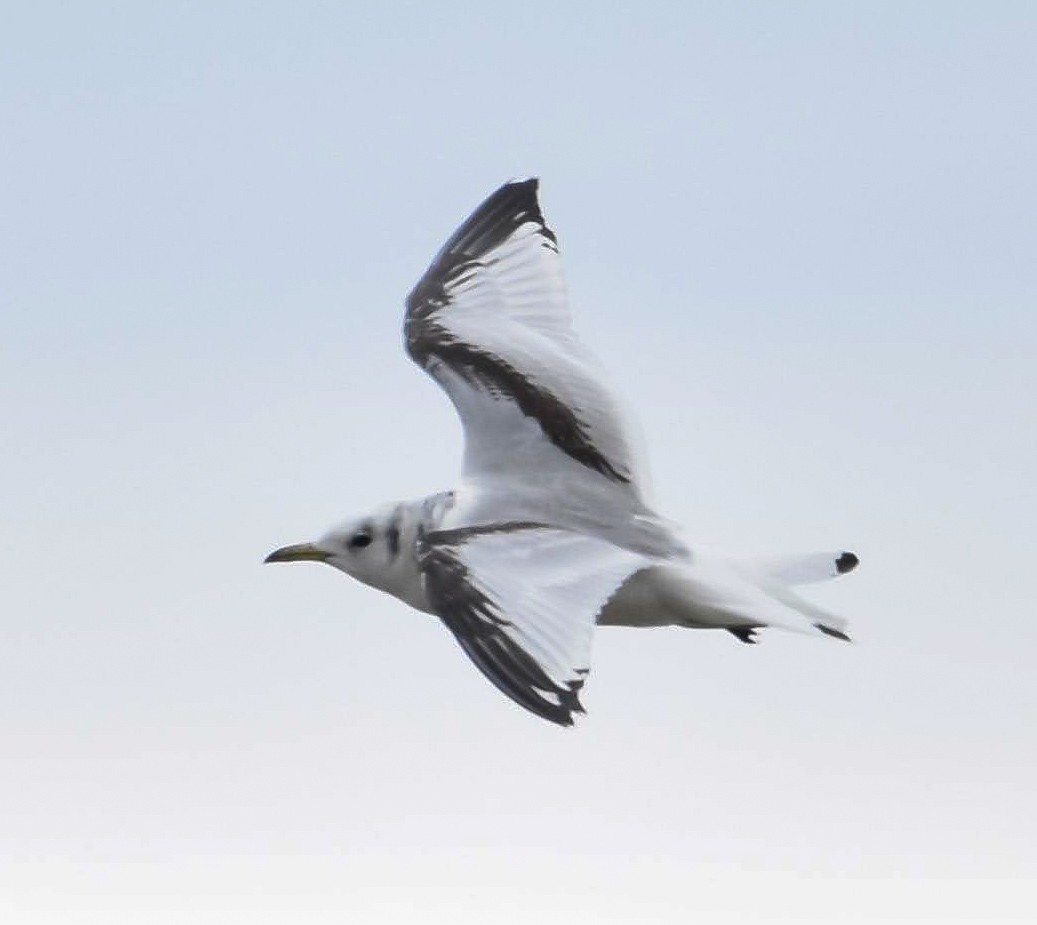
column 489, row 321
column 523, row 600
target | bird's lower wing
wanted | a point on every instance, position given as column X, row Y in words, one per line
column 522, row 600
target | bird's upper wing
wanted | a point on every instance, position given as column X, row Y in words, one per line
column 490, row 323
column 522, row 600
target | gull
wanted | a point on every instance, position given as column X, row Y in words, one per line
column 548, row 532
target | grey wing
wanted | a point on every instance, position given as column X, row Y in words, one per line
column 522, row 600
column 489, row 321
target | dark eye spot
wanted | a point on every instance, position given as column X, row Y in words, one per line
column 359, row 540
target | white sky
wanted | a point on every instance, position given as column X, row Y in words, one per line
column 801, row 237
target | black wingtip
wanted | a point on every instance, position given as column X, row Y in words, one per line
column 833, row 632
column 570, row 699
column 531, row 183
column 846, row 562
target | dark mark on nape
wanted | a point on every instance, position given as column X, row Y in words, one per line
column 392, row 532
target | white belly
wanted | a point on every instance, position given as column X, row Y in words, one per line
column 668, row 595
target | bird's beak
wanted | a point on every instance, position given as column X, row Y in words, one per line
column 301, row 552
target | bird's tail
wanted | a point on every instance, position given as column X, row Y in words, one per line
column 778, row 576
column 804, row 569
column 819, row 620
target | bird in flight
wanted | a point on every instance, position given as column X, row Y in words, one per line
column 547, row 533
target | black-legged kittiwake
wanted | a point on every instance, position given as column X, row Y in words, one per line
column 548, row 532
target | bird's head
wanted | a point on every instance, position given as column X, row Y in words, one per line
column 365, row 547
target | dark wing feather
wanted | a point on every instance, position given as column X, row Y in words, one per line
column 522, row 600
column 489, row 321
column 498, row 217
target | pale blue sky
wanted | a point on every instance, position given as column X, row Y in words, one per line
column 800, row 236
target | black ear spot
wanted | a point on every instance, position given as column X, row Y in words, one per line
column 360, row 540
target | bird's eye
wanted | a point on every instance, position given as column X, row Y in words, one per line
column 359, row 540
